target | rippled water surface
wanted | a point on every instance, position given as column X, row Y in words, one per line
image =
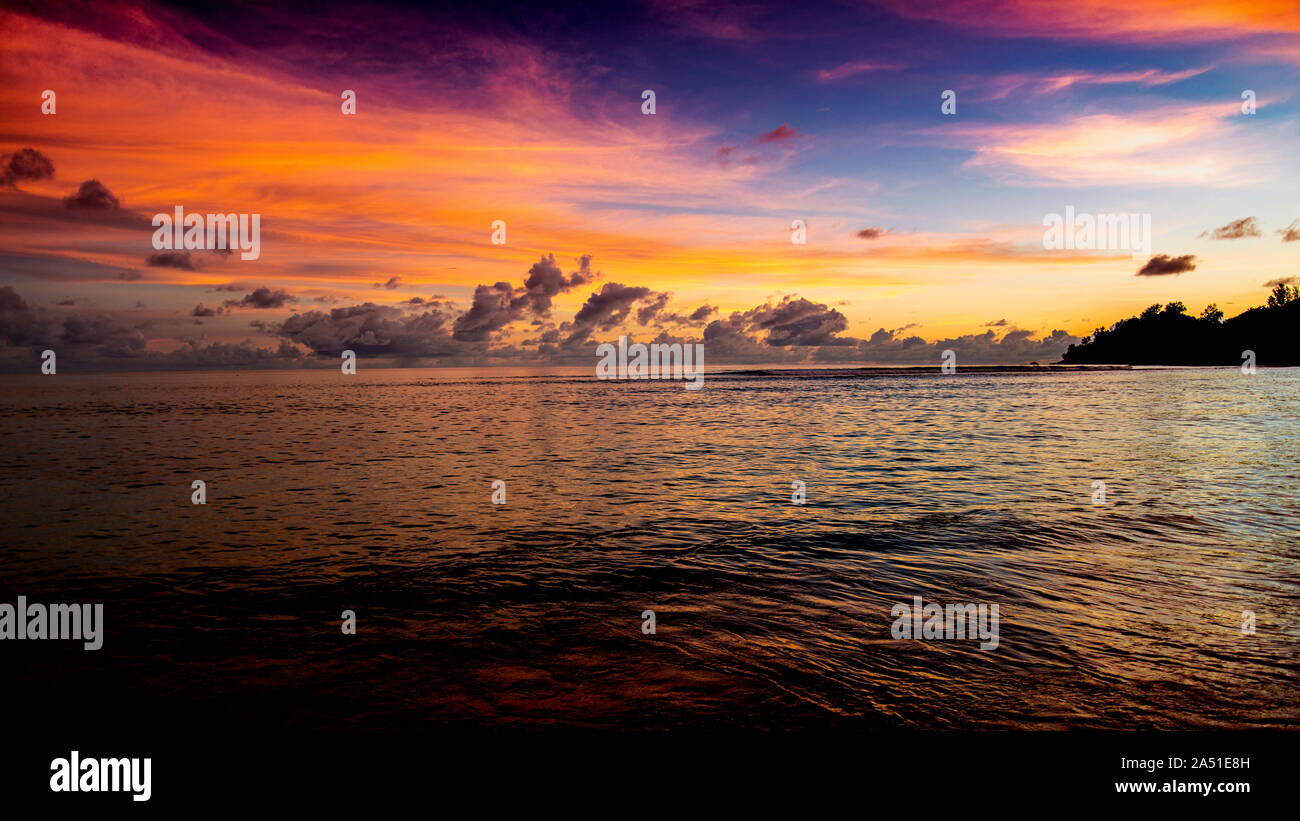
column 372, row 493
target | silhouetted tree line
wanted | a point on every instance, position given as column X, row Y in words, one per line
column 1168, row 335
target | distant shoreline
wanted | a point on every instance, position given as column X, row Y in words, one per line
column 584, row 373
column 909, row 369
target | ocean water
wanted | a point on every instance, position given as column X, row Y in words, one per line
column 373, row 493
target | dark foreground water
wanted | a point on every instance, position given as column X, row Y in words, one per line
column 373, row 493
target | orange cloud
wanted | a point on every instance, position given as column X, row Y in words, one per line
column 1152, row 21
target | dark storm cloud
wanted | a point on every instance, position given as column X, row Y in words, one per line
column 798, row 329
column 111, row 337
column 1237, row 229
column 92, row 203
column 171, row 259
column 545, row 280
column 370, row 329
column 225, row 355
column 496, row 306
column 655, row 311
column 647, row 313
column 775, row 333
column 891, row 347
column 20, row 323
column 798, row 322
column 93, row 196
column 584, row 275
column 187, row 261
column 417, row 301
column 33, row 209
column 24, row 164
column 102, row 341
column 726, row 340
column 262, row 298
column 1163, row 265
column 491, row 310
column 605, row 309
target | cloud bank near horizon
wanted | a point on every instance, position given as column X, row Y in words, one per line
column 436, row 332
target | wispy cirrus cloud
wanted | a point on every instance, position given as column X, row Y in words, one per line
column 758, row 149
column 1001, row 86
column 1154, row 21
column 1166, row 145
column 853, row 68
column 713, row 19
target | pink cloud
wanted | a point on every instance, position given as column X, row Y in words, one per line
column 708, row 18
column 1004, row 85
column 1153, row 21
column 830, row 75
column 781, row 133
column 782, row 136
column 1174, row 145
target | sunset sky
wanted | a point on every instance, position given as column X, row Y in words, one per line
column 919, row 224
